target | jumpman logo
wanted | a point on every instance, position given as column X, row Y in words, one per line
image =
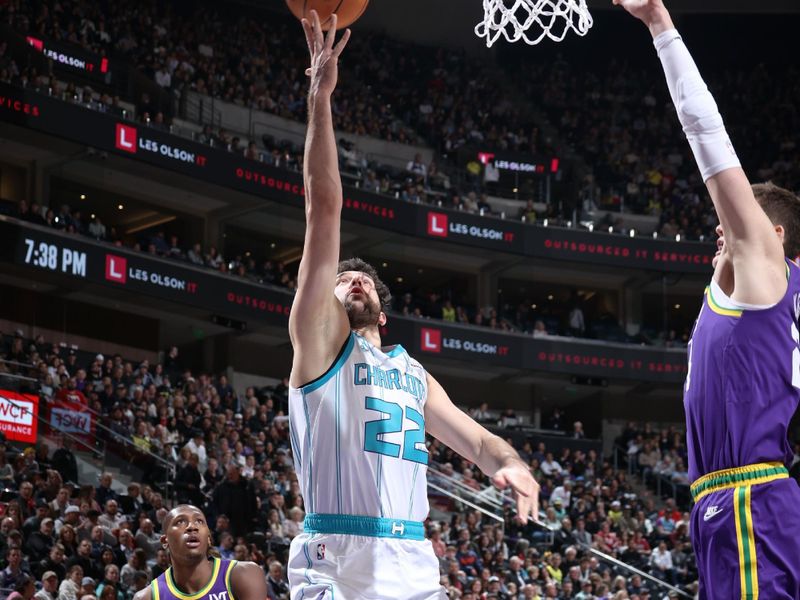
column 712, row 512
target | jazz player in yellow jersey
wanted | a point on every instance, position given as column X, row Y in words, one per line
column 359, row 411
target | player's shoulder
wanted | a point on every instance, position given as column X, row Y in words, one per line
column 244, row 570
column 144, row 594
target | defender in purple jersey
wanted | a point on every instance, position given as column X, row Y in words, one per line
column 743, row 380
column 193, row 573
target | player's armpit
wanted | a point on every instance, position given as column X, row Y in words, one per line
column 248, row 581
column 751, row 240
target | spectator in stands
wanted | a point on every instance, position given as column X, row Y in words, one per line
column 481, row 413
column 83, row 559
column 104, row 491
column 417, row 169
column 235, row 498
column 55, row 562
column 112, row 581
column 49, row 589
column 136, row 563
column 111, row 519
column 39, row 542
column 147, row 539
column 550, row 466
column 162, row 563
column 277, row 584
column 188, row 481
column 13, row 573
column 661, row 563
column 508, row 418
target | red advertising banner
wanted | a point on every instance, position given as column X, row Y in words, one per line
column 18, row 416
column 71, row 420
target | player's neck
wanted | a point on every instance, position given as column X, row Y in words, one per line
column 192, row 576
column 371, row 334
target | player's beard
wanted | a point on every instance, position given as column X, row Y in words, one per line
column 362, row 314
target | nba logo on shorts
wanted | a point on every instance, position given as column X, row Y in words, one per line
column 320, row 551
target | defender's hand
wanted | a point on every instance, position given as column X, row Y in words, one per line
column 517, row 476
column 324, row 70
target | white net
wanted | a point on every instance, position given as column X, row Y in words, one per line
column 533, row 20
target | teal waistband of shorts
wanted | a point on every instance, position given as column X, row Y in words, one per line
column 365, row 526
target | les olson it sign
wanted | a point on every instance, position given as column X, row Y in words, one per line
column 431, row 340
column 440, row 225
column 127, row 139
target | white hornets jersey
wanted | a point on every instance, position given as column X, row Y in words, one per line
column 358, row 435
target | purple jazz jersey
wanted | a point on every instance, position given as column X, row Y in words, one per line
column 217, row 588
column 741, row 391
column 743, row 381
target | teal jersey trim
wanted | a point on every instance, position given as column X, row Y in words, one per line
column 364, row 526
column 337, row 402
column 309, row 500
column 396, row 351
column 318, row 383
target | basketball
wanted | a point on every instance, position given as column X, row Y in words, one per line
column 347, row 11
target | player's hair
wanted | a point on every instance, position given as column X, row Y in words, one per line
column 356, row 264
column 782, row 208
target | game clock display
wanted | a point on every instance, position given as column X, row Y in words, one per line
column 53, row 257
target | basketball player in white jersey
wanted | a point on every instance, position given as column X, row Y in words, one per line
column 359, row 411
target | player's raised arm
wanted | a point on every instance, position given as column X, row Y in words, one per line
column 318, row 325
column 451, row 426
column 750, row 238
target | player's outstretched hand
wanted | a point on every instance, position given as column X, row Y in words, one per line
column 517, row 476
column 652, row 13
column 644, row 10
column 324, row 69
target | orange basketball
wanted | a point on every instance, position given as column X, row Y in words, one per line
column 347, row 11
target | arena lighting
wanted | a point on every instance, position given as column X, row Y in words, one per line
column 384, row 265
column 591, row 226
column 399, row 280
column 544, row 222
column 655, row 235
column 610, row 229
column 677, row 307
column 678, row 238
column 83, row 196
column 120, row 206
column 272, row 245
column 633, row 233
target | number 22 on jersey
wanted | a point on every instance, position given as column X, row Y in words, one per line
column 374, row 430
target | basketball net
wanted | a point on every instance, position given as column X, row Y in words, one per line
column 532, row 20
